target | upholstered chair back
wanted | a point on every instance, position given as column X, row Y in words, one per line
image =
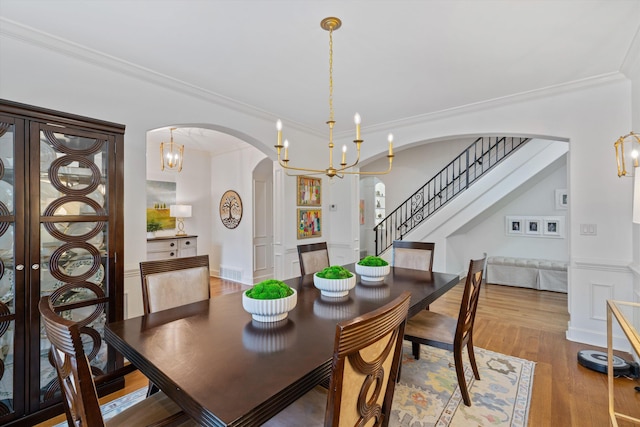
column 413, row 255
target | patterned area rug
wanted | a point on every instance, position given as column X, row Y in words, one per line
column 428, row 393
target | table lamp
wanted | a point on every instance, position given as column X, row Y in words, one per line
column 180, row 212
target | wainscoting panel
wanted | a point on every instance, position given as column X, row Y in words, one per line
column 599, row 293
column 592, row 283
column 259, row 257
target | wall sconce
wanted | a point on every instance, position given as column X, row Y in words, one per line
column 179, row 212
column 633, row 145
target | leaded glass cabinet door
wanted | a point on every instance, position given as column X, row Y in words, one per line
column 60, row 236
column 12, row 268
column 74, row 239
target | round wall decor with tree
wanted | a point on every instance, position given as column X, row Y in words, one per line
column 230, row 209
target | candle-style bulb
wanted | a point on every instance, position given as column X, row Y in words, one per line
column 286, row 149
column 357, row 120
column 344, row 154
column 390, row 139
column 279, row 127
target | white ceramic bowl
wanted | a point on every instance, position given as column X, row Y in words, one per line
column 334, row 287
column 269, row 310
column 372, row 274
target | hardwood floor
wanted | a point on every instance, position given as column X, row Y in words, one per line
column 531, row 324
column 524, row 323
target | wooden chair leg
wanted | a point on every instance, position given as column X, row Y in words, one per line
column 415, row 350
column 472, row 359
column 462, row 383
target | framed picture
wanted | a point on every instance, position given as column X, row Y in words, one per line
column 309, row 191
column 553, row 226
column 515, row 225
column 562, row 199
column 533, row 226
column 161, row 195
column 230, row 209
column 309, row 223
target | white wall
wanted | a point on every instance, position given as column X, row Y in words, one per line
column 590, row 114
column 415, row 165
column 142, row 103
column 233, row 248
column 488, row 233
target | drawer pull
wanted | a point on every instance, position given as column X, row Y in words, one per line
column 172, row 244
column 187, row 242
column 172, row 254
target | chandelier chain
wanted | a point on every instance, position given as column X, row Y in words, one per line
column 331, row 116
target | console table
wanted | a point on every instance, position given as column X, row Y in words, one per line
column 627, row 314
column 171, row 247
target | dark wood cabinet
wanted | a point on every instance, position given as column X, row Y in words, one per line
column 61, row 227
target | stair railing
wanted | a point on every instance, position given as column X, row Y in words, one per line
column 478, row 158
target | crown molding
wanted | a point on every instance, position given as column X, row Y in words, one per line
column 48, row 41
column 631, row 63
column 507, row 100
column 35, row 37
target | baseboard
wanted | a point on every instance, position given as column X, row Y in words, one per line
column 597, row 339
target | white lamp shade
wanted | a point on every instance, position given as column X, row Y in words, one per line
column 180, row 211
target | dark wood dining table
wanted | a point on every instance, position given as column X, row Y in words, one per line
column 225, row 369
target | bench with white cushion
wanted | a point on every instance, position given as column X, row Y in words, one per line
column 543, row 274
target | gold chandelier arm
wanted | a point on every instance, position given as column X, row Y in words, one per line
column 284, row 166
column 370, row 173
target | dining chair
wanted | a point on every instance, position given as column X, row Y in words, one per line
column 449, row 333
column 313, row 257
column 78, row 387
column 414, row 255
column 366, row 359
column 169, row 283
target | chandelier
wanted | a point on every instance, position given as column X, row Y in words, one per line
column 171, row 155
column 330, row 24
column 620, row 158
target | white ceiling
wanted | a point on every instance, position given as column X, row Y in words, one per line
column 392, row 59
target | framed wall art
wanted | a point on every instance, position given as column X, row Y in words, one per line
column 515, row 225
column 309, row 191
column 562, row 199
column 533, row 226
column 230, row 209
column 161, row 195
column 309, row 223
column 553, row 226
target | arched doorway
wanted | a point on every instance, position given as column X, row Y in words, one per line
column 215, row 161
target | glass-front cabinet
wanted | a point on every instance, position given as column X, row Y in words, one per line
column 60, row 237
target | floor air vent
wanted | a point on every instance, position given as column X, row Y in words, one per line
column 230, row 273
